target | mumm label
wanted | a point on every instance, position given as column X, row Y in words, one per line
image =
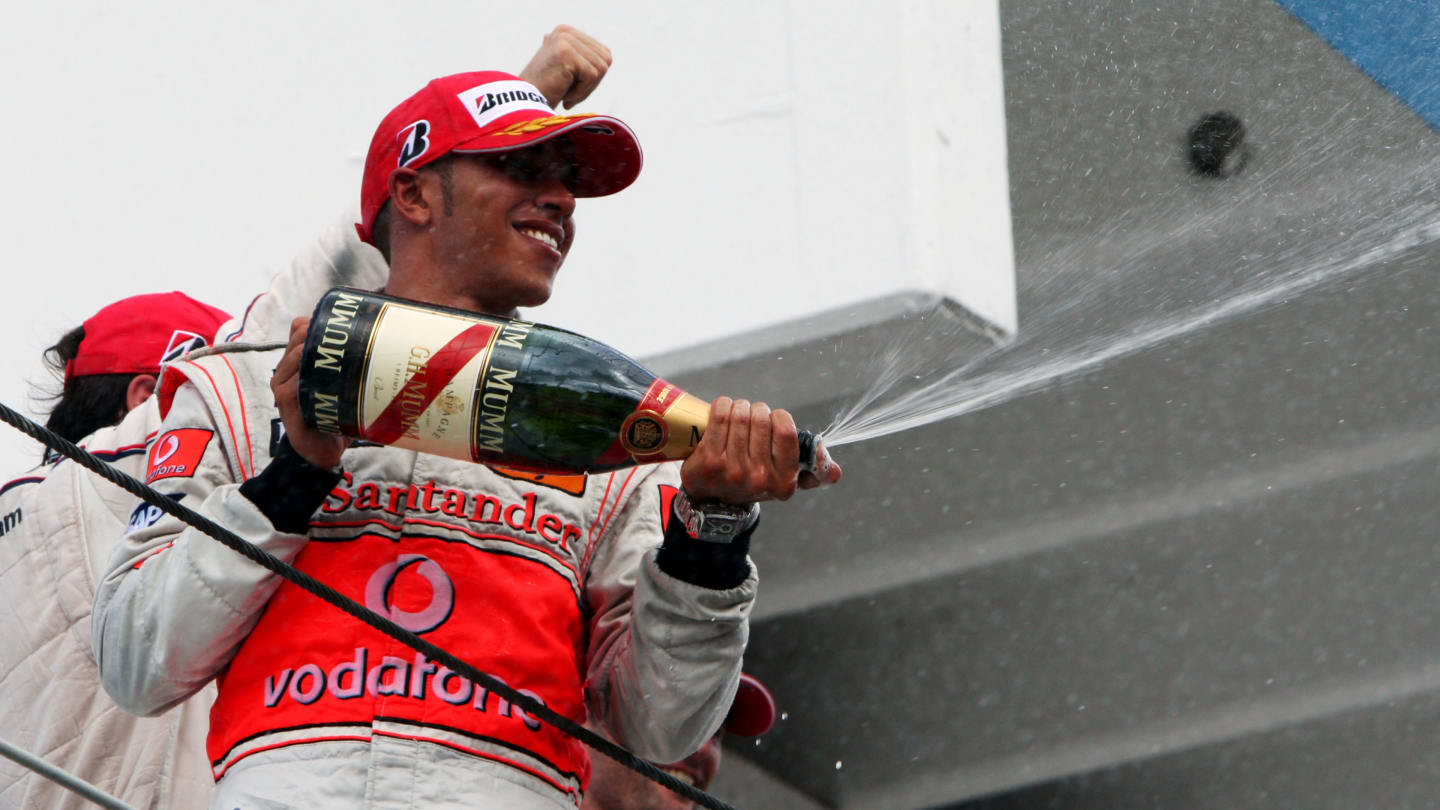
column 498, row 385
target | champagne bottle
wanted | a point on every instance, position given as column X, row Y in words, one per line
column 490, row 390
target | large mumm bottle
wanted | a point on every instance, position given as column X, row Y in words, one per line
column 491, row 390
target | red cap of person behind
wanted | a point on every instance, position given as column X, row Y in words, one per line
column 752, row 713
column 490, row 111
column 135, row 335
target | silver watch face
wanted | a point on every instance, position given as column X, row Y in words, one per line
column 717, row 522
column 722, row 521
column 720, row 526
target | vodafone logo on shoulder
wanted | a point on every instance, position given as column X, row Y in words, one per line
column 488, row 102
column 177, row 453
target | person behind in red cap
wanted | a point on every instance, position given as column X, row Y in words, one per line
column 56, row 526
column 109, row 363
column 588, row 593
column 616, row 787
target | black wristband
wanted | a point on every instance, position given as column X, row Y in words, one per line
column 718, row 566
column 290, row 489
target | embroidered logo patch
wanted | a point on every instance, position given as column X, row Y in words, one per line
column 146, row 515
column 380, row 593
column 489, row 102
column 181, row 344
column 177, row 453
column 414, row 142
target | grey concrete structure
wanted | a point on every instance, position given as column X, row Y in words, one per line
column 1186, row 556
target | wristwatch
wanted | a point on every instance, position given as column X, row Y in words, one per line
column 713, row 521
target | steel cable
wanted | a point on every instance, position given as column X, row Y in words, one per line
column 62, row 778
column 324, row 592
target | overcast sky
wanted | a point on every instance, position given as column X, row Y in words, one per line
column 174, row 145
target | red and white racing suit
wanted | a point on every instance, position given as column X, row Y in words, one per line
column 548, row 583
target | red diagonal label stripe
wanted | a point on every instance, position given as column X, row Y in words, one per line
column 422, row 387
column 660, row 397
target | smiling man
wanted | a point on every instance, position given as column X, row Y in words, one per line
column 470, row 189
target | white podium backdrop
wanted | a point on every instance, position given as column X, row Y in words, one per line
column 799, row 156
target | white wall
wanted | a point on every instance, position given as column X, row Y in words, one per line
column 799, row 155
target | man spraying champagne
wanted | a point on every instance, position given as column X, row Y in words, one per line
column 605, row 596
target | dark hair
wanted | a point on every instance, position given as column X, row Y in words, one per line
column 84, row 404
column 380, row 230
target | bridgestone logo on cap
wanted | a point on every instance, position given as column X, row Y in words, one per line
column 414, row 143
column 489, row 102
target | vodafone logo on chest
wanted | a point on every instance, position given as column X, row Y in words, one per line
column 379, row 589
column 177, row 453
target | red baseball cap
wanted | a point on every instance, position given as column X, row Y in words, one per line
column 491, row 111
column 752, row 713
column 135, row 335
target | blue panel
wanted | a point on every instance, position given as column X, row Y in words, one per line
column 1397, row 42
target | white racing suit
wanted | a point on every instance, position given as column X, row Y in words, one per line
column 57, row 526
column 548, row 583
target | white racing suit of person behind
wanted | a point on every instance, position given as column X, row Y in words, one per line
column 552, row 584
column 59, row 525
